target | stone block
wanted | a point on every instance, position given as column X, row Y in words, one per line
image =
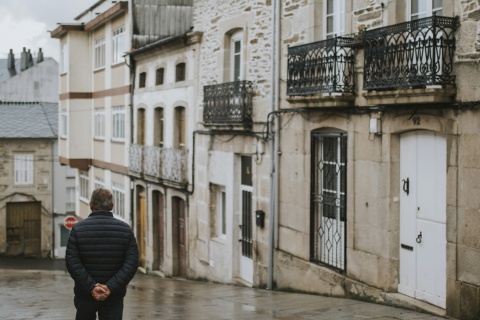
column 453, row 298
column 468, row 270
column 375, row 242
column 469, row 227
column 469, row 302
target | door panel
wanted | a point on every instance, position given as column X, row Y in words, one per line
column 423, row 216
column 24, row 229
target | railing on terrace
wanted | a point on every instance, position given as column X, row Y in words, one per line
column 321, row 67
column 166, row 163
column 228, row 103
column 135, row 158
column 411, row 54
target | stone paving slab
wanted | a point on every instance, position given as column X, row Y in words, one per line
column 48, row 294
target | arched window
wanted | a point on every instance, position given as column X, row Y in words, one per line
column 141, row 126
column 159, row 74
column 142, row 80
column 236, row 56
column 180, row 72
column 179, row 134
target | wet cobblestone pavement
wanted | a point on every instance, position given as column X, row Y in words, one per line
column 34, row 291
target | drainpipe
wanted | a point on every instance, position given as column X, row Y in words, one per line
column 273, row 221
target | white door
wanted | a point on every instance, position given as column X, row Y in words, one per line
column 423, row 216
column 246, row 229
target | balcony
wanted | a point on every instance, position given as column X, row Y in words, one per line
column 414, row 54
column 228, row 103
column 322, row 67
column 159, row 164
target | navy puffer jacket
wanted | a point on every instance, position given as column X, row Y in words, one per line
column 101, row 249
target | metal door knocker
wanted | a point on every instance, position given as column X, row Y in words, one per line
column 419, row 237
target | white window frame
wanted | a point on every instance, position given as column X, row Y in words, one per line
column 99, row 183
column 338, row 16
column 84, row 182
column 426, row 9
column 99, row 53
column 118, row 123
column 70, row 199
column 237, row 37
column 99, row 128
column 63, row 123
column 23, row 164
column 118, row 44
column 118, row 193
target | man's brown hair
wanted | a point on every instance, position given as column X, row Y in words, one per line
column 101, row 199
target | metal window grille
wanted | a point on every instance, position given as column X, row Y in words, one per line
column 246, row 227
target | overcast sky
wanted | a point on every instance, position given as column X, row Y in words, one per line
column 25, row 23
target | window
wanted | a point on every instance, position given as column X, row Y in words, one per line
column 425, row 8
column 158, row 128
column 328, row 220
column 141, row 126
column 99, row 59
column 99, row 183
column 334, row 18
column 118, row 125
column 70, row 201
column 179, row 134
column 99, row 124
column 84, row 186
column 118, row 44
column 218, row 227
column 180, row 72
column 142, row 80
column 63, row 123
column 23, row 169
column 118, row 193
column 236, row 56
column 159, row 74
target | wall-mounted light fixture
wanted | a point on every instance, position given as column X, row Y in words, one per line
column 376, row 125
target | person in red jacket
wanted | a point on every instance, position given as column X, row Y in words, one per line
column 102, row 258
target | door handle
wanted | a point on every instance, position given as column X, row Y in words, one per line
column 406, row 185
column 419, row 237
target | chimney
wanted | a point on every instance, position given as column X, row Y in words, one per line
column 11, row 60
column 29, row 59
column 23, row 60
column 40, row 55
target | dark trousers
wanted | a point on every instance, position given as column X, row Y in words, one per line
column 107, row 310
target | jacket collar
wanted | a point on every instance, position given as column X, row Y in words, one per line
column 101, row 213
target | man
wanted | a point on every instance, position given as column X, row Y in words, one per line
column 102, row 258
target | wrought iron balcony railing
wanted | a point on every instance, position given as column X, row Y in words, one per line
column 166, row 163
column 411, row 54
column 228, row 103
column 321, row 67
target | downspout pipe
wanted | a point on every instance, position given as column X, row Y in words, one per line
column 273, row 221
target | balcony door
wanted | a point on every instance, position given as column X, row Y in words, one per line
column 428, row 53
column 425, row 8
column 236, row 56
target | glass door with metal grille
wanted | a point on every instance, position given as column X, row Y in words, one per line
column 328, row 200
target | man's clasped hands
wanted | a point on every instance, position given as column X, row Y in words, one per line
column 100, row 292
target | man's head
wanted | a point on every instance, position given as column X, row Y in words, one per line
column 101, row 200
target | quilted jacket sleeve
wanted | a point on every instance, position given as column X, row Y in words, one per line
column 129, row 267
column 75, row 267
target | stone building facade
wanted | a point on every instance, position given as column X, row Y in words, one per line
column 383, row 206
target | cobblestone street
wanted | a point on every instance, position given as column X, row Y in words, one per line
column 42, row 290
